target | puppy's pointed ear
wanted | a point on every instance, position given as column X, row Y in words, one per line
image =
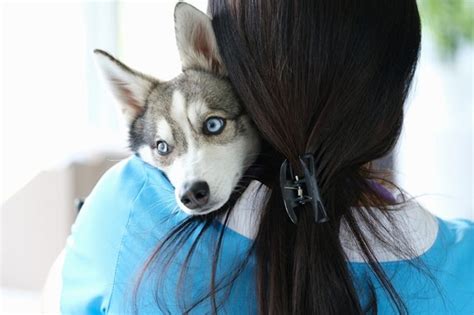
column 196, row 40
column 129, row 86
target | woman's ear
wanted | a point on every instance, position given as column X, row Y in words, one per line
column 129, row 86
column 196, row 40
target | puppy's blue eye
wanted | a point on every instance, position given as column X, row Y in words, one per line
column 214, row 125
column 162, row 147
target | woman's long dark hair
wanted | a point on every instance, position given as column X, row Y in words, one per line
column 329, row 78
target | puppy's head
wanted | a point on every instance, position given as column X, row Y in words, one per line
column 192, row 127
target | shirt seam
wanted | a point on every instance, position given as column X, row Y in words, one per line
column 131, row 207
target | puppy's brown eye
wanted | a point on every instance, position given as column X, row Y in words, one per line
column 162, row 147
column 214, row 125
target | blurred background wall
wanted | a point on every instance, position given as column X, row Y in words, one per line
column 61, row 129
column 434, row 158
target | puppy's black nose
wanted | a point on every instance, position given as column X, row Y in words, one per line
column 195, row 194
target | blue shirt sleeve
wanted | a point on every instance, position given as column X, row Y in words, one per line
column 93, row 246
column 129, row 211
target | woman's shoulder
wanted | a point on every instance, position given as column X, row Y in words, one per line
column 460, row 231
column 106, row 210
column 441, row 280
column 129, row 194
column 124, row 187
column 455, row 246
column 435, row 277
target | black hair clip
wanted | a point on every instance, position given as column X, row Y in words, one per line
column 299, row 191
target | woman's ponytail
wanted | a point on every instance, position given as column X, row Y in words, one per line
column 326, row 78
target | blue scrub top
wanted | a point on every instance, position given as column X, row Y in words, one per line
column 133, row 206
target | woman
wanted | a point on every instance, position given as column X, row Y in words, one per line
column 324, row 81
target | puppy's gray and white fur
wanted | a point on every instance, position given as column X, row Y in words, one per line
column 175, row 112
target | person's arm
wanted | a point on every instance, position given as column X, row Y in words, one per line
column 81, row 279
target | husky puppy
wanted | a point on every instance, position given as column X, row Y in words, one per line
column 193, row 127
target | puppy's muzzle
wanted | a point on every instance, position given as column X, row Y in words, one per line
column 195, row 194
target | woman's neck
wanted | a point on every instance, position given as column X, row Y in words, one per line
column 418, row 225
